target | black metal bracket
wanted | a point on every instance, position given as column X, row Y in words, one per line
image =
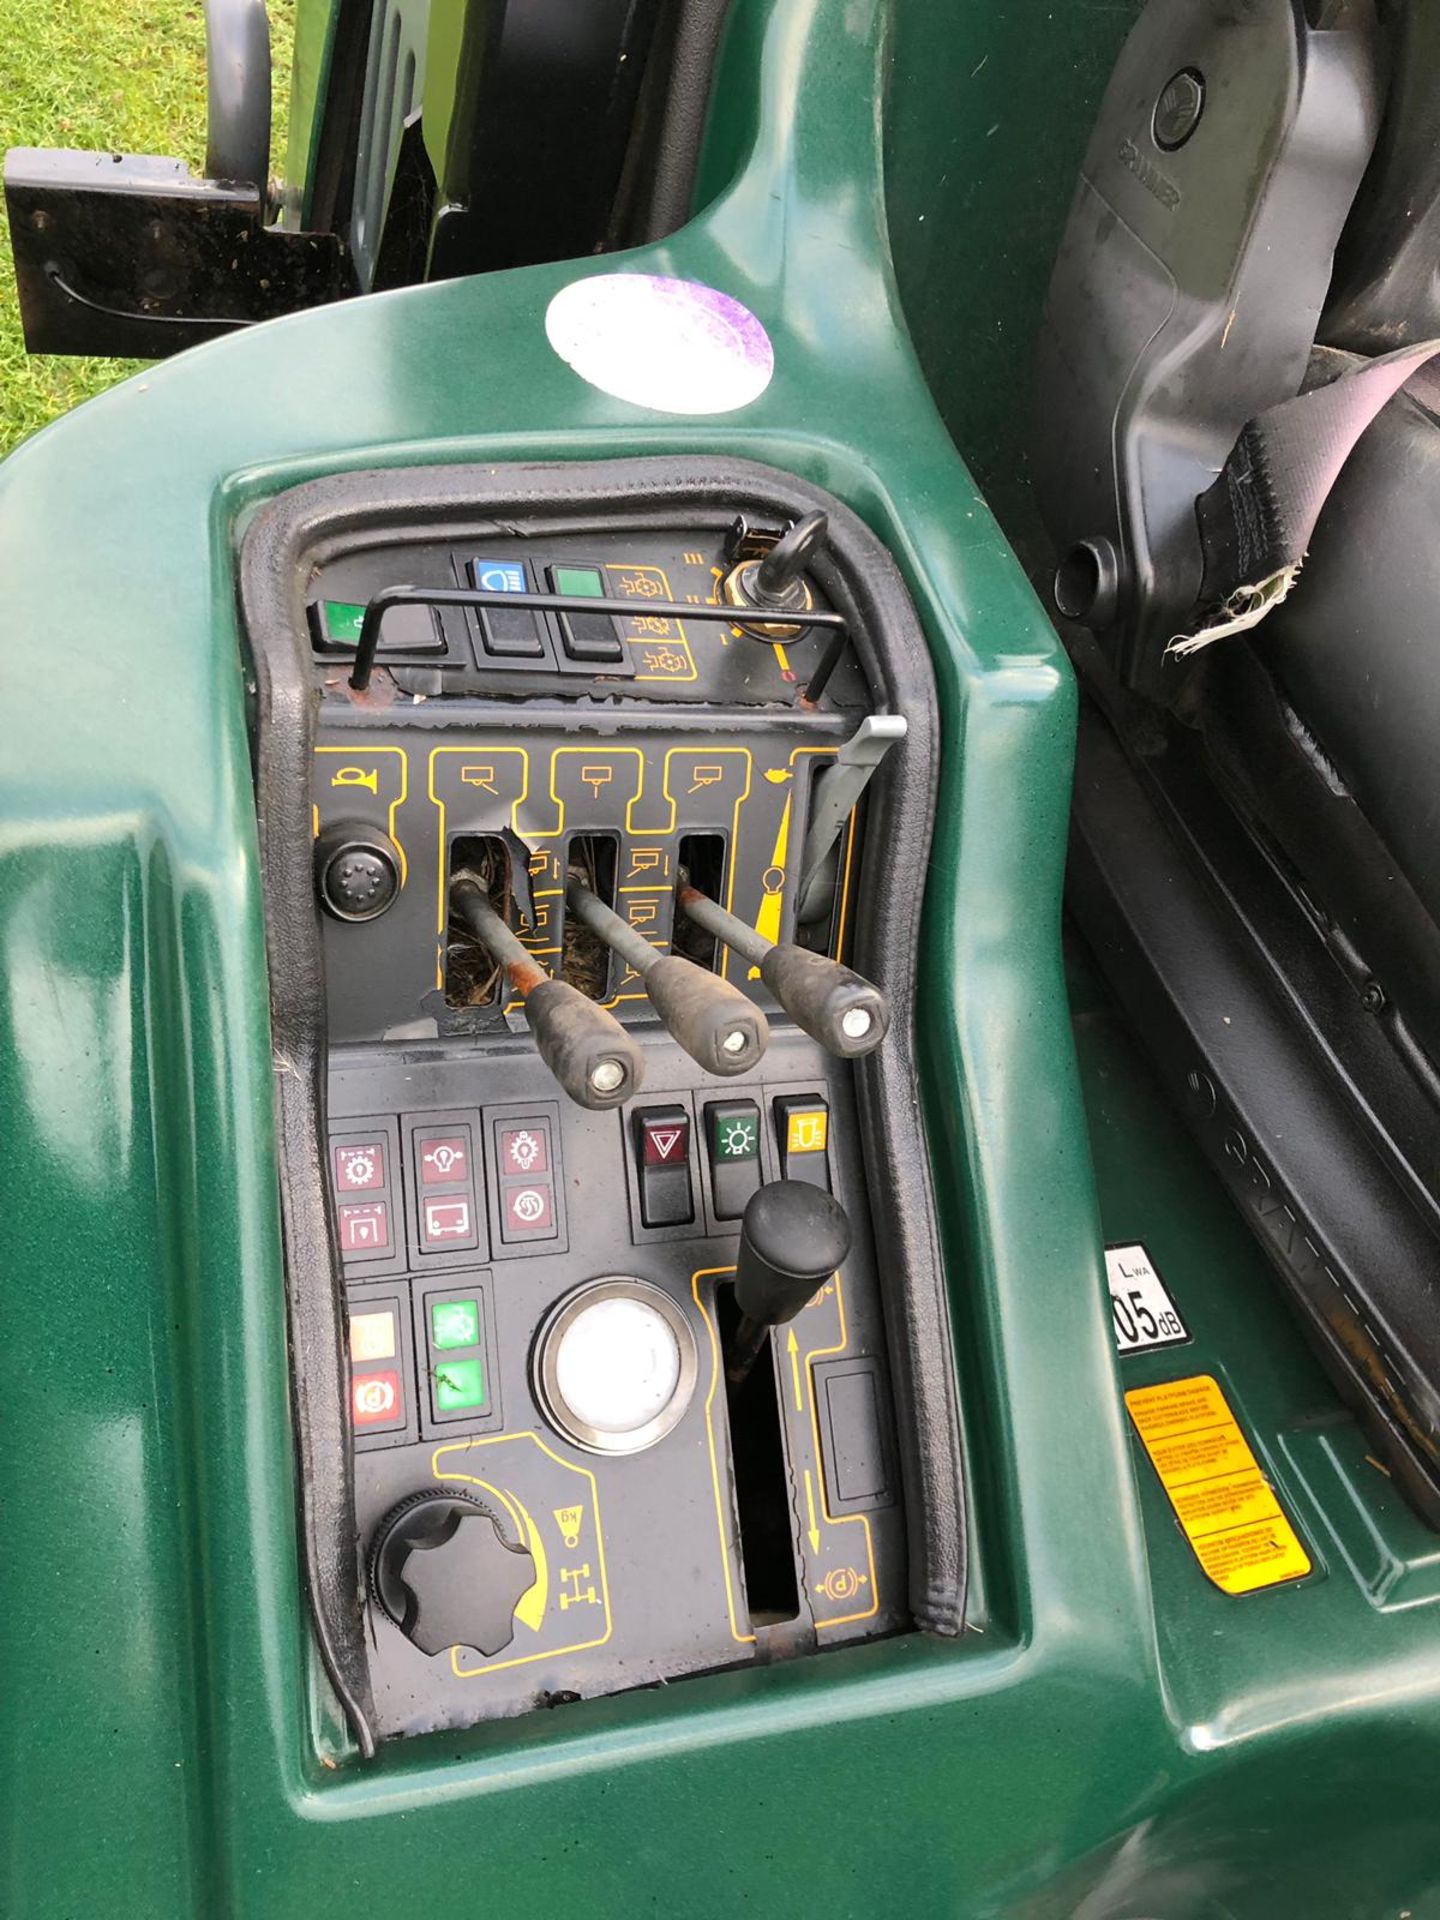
column 380, row 605
column 131, row 255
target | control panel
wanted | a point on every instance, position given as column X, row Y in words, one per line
column 595, row 1154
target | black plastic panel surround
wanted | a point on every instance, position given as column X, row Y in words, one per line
column 444, row 1255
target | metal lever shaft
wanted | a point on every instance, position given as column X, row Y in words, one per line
column 836, row 792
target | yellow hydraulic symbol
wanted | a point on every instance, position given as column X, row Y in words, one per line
column 570, row 1520
column 707, row 775
column 357, row 777
column 597, row 777
column 767, row 923
column 777, row 776
column 574, row 1593
column 483, row 777
column 842, row 1583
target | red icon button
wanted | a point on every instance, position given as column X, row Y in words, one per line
column 444, row 1159
column 375, row 1399
column 528, row 1210
column 365, row 1228
column 524, row 1150
column 360, row 1169
column 667, row 1142
column 448, row 1220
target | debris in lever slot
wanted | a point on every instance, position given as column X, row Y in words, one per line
column 717, row 1026
column 596, row 1062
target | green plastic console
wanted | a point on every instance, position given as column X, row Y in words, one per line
column 1112, row 1736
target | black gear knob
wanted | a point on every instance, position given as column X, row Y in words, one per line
column 792, row 1238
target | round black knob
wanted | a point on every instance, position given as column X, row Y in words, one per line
column 357, row 870
column 442, row 1569
column 792, row 1238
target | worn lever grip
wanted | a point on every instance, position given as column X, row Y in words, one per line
column 591, row 1055
column 834, row 1005
column 717, row 1026
column 714, row 1022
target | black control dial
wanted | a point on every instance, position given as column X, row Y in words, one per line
column 442, row 1569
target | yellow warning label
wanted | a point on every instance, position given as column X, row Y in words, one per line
column 1221, row 1498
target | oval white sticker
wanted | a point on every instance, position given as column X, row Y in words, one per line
column 672, row 345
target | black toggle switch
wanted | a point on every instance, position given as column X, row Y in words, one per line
column 793, row 1237
column 443, row 1571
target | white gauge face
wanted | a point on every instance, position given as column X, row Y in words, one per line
column 616, row 1366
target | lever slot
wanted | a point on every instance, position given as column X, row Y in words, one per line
column 701, row 865
column 762, row 1480
column 593, row 860
column 473, row 978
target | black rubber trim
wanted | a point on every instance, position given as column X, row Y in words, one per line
column 1182, row 915
column 297, row 533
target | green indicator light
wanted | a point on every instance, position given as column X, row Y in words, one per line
column 455, row 1323
column 579, row 580
column 343, row 621
column 736, row 1137
column 459, row 1384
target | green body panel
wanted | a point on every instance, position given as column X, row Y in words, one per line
column 1112, row 1729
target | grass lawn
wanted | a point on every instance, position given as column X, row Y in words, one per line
column 125, row 75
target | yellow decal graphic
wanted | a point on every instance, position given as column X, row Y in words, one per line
column 1221, row 1498
column 357, row 777
column 569, row 1520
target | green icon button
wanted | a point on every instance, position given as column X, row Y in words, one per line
column 343, row 621
column 736, row 1135
column 455, row 1323
column 459, row 1384
column 586, row 581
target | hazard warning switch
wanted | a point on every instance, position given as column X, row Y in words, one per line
column 662, row 1136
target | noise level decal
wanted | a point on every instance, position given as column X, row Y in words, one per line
column 1221, row 1498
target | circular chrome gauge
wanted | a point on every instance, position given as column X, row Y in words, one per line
column 615, row 1366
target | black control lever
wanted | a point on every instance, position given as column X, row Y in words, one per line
column 592, row 1056
column 835, row 1005
column 792, row 1238
column 717, row 1026
column 775, row 585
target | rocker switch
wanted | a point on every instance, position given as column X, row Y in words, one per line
column 662, row 1136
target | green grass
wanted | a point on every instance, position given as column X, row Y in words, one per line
column 123, row 75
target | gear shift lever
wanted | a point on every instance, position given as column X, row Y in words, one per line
column 792, row 1238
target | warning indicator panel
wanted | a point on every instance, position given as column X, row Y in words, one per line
column 1227, row 1507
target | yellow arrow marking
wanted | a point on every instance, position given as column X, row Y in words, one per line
column 810, row 1505
column 794, row 1347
